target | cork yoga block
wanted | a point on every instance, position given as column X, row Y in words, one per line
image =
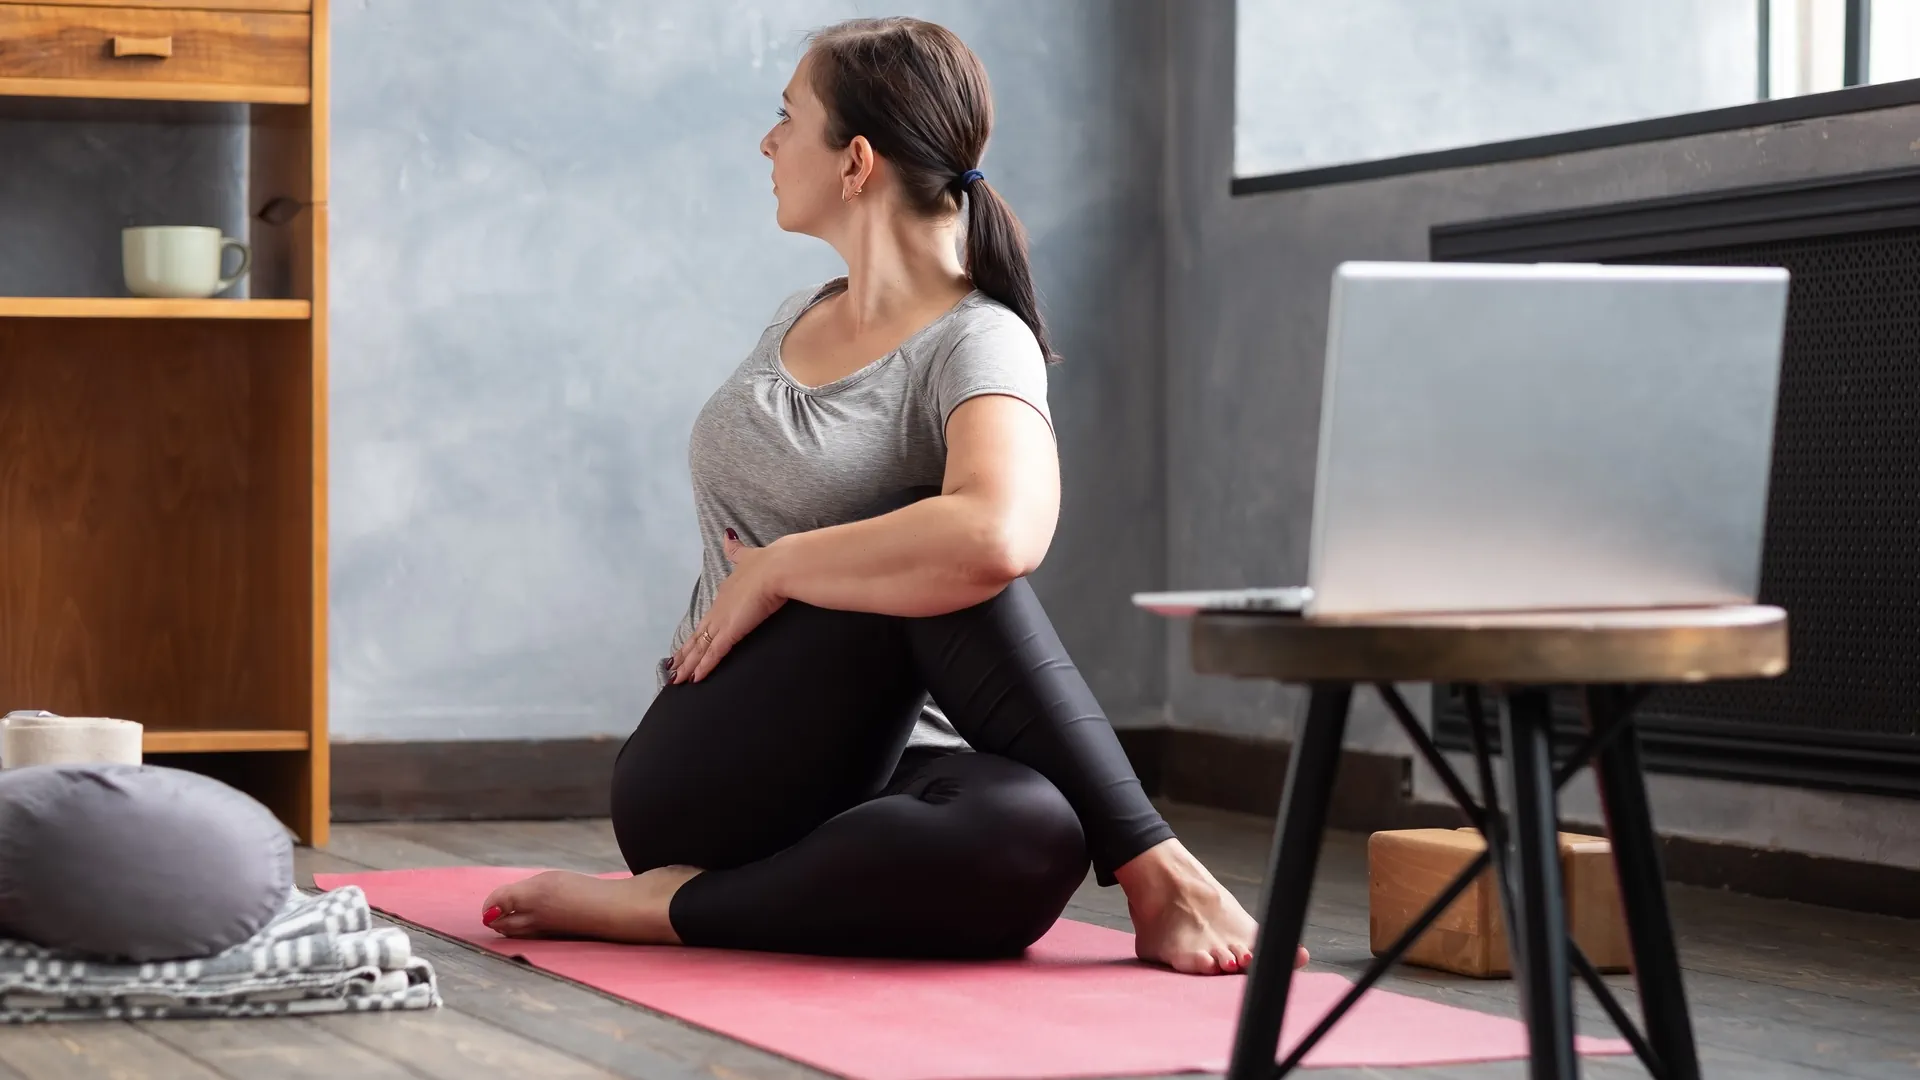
column 1408, row 868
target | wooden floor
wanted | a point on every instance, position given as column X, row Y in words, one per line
column 1778, row 989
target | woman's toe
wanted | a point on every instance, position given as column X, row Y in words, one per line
column 523, row 924
column 498, row 902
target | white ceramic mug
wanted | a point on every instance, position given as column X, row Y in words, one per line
column 179, row 260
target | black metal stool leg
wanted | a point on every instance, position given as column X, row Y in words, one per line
column 1539, row 941
column 1296, row 852
column 1495, row 831
column 1643, row 895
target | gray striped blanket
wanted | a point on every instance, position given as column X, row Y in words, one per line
column 320, row 954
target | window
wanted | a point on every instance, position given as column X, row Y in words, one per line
column 1322, row 84
column 1893, row 42
column 1807, row 44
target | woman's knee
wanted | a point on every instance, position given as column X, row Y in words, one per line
column 1029, row 853
column 801, row 721
column 1045, row 842
column 1045, row 854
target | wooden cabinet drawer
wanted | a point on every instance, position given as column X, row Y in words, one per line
column 151, row 52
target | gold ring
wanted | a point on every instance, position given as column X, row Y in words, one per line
column 706, row 636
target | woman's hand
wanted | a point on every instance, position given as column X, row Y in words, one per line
column 744, row 601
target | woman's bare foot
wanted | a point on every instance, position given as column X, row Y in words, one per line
column 560, row 903
column 1183, row 917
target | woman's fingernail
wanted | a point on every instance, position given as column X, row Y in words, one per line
column 733, row 536
column 491, row 914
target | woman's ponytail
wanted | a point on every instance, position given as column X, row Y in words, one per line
column 997, row 257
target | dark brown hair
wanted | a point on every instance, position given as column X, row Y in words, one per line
column 920, row 96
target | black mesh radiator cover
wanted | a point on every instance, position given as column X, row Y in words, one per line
column 1842, row 548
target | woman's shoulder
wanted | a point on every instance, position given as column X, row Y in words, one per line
column 982, row 346
column 981, row 323
column 793, row 305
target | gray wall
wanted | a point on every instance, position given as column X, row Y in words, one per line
column 1246, row 319
column 553, row 236
column 1322, row 83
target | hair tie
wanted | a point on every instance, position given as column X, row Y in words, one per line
column 967, row 178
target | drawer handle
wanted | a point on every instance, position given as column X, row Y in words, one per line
column 143, row 46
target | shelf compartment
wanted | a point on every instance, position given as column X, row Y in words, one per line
column 134, row 307
column 164, row 741
column 158, row 545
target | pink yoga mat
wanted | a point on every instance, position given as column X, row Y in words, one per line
column 1077, row 1005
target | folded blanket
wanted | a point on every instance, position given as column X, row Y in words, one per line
column 320, row 954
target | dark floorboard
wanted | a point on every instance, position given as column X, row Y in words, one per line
column 455, row 1045
column 298, row 1050
column 117, row 1050
column 1779, row 990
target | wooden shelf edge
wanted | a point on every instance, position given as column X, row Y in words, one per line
column 164, row 741
column 15, row 86
column 297, row 7
column 125, row 307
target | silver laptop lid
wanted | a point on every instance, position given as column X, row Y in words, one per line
column 1524, row 437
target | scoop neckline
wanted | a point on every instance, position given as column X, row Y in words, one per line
column 839, row 285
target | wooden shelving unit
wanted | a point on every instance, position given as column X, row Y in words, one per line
column 163, row 462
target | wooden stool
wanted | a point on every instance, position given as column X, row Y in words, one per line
column 1612, row 656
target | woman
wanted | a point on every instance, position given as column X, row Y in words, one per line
column 869, row 527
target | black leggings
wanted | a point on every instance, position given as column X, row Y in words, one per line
column 782, row 775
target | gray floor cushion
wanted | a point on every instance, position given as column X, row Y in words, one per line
column 137, row 862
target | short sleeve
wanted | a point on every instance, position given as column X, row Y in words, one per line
column 992, row 353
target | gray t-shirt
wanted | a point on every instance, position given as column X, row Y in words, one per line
column 771, row 456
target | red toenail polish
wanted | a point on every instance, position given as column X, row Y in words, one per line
column 492, row 913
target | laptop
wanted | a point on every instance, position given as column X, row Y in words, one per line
column 1511, row 437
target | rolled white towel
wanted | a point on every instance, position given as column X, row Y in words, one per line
column 41, row 738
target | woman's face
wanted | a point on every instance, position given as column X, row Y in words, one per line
column 808, row 174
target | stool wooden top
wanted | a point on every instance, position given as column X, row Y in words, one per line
column 1663, row 645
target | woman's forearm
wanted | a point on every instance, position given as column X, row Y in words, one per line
column 934, row 556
